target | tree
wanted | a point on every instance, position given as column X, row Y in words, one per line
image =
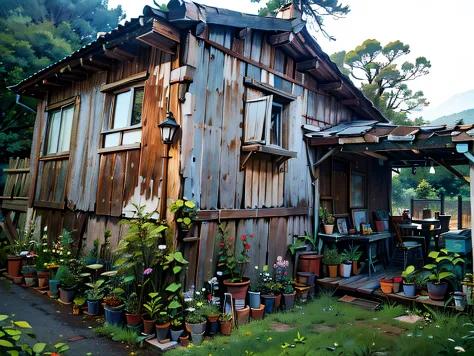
column 424, row 190
column 35, row 34
column 315, row 10
column 383, row 80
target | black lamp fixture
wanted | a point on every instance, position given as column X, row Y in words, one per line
column 168, row 128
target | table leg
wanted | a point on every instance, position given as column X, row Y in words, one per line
column 369, row 256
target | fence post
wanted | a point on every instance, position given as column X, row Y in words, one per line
column 411, row 208
column 459, row 212
column 441, row 196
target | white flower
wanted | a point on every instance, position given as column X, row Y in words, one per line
column 45, row 229
column 256, row 267
column 191, row 309
column 203, row 289
column 187, row 300
column 459, row 349
column 198, row 293
column 161, row 247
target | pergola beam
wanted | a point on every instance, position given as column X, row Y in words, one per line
column 451, row 169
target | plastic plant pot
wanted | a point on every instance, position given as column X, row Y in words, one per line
column 14, row 266
column 269, row 302
column 437, row 291
column 162, row 331
column 289, row 300
column 397, row 281
column 197, row 338
column 254, row 299
column 175, row 334
column 409, row 289
column 67, row 295
column 53, row 287
column 133, row 319
column 113, row 317
column 93, row 307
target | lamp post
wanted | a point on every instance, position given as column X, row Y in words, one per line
column 168, row 129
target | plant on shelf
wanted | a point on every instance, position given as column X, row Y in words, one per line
column 332, row 259
column 301, row 242
column 327, row 219
column 445, row 267
column 409, row 286
column 185, row 213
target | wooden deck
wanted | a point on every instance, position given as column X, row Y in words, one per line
column 366, row 287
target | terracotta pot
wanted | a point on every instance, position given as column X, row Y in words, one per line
column 328, row 229
column 310, row 263
column 212, row 318
column 133, row 319
column 243, row 316
column 238, row 289
column 397, row 282
column 184, row 340
column 306, row 278
column 162, row 331
column 76, row 311
column 345, row 270
column 355, row 268
column 14, row 266
column 277, row 302
column 332, row 271
column 386, row 285
column 148, row 326
column 289, row 300
column 257, row 313
column 437, row 291
column 226, row 327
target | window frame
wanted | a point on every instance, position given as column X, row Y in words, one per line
column 111, row 117
column 51, row 109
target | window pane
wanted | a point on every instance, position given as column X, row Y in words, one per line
column 53, row 134
column 66, row 125
column 130, row 137
column 122, row 108
column 112, row 140
column 137, row 107
column 275, row 125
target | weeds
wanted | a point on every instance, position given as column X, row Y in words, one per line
column 116, row 333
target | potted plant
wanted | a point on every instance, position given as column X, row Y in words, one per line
column 114, row 306
column 327, row 219
column 332, row 259
column 352, row 254
column 254, row 294
column 162, row 324
column 14, row 260
column 270, row 291
column 446, row 266
column 195, row 320
column 68, row 283
column 94, row 296
column 345, row 266
column 177, row 328
column 132, row 309
column 409, row 286
column 225, row 321
column 211, row 311
column 184, row 339
column 29, row 273
column 185, row 213
column 289, row 294
column 386, row 285
column 234, row 265
column 79, row 301
column 151, row 309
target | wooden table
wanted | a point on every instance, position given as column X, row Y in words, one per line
column 368, row 240
column 423, row 228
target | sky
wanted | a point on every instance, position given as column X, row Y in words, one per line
column 436, row 29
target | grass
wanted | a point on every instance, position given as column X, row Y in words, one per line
column 352, row 331
column 116, row 333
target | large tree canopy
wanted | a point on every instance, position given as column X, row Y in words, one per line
column 35, row 34
column 384, row 80
column 315, row 10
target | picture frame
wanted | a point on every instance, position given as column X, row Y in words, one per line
column 342, row 226
column 359, row 216
column 357, row 191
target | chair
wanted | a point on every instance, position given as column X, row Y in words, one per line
column 404, row 248
column 444, row 222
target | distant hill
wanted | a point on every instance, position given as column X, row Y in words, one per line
column 456, row 104
column 467, row 116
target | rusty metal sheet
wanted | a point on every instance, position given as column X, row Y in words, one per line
column 343, row 126
column 462, row 137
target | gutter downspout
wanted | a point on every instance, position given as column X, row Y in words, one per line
column 17, row 101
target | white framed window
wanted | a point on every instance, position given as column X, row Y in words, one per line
column 125, row 124
column 58, row 136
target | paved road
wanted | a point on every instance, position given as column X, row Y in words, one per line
column 53, row 322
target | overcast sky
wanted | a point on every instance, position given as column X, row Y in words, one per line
column 439, row 30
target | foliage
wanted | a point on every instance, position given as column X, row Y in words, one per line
column 177, row 324
column 12, row 343
column 445, row 265
column 66, row 277
column 233, row 265
column 153, row 307
column 352, row 254
column 409, row 275
column 384, row 81
column 116, row 333
column 424, row 190
column 301, row 241
column 97, row 291
column 223, row 318
column 315, row 11
column 114, row 297
column 326, row 217
column 185, row 212
column 332, row 257
column 281, row 275
column 35, row 34
column 209, row 309
column 132, row 304
column 79, row 301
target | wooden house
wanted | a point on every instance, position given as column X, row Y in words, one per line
column 248, row 92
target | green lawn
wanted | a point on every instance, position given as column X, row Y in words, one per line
column 353, row 331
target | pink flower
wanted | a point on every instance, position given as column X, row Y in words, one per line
column 231, row 239
column 147, row 271
column 244, row 237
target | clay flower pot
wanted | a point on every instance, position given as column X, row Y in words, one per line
column 162, row 331
column 397, row 282
column 14, row 266
column 386, row 285
column 184, row 340
column 148, row 326
column 289, row 300
column 306, row 278
column 332, row 271
column 328, row 229
column 310, row 263
column 226, row 327
column 277, row 302
column 243, row 316
column 76, row 310
column 257, row 313
column 238, row 289
column 355, row 268
column 133, row 319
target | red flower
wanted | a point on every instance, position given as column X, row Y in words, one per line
column 209, row 297
column 231, row 239
column 247, row 247
column 244, row 237
column 55, row 354
column 251, row 235
column 285, row 273
column 221, row 244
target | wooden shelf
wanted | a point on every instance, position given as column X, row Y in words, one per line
column 279, row 155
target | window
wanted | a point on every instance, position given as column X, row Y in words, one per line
column 125, row 126
column 357, row 190
column 59, row 130
column 275, row 124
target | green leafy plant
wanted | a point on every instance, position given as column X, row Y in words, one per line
column 162, row 318
column 326, row 217
column 153, row 307
column 210, row 309
column 233, row 265
column 352, row 254
column 132, row 304
column 299, row 339
column 177, row 324
column 409, row 275
column 114, row 298
column 79, row 301
column 185, row 212
column 447, row 266
column 223, row 317
column 97, row 291
column 66, row 277
column 332, row 257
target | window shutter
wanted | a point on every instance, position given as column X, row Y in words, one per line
column 257, row 116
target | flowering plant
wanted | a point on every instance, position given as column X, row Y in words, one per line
column 266, row 284
column 233, row 265
column 281, row 275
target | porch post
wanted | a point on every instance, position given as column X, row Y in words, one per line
column 471, row 176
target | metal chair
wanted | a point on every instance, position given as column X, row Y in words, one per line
column 403, row 248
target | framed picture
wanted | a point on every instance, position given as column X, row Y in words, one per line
column 342, row 226
column 359, row 216
column 357, row 190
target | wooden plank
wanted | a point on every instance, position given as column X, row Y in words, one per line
column 104, row 192
column 281, row 39
column 131, row 194
column 255, row 183
column 262, row 173
column 118, row 179
column 138, row 77
column 330, row 86
column 354, row 285
column 165, row 29
column 268, row 185
column 49, row 205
